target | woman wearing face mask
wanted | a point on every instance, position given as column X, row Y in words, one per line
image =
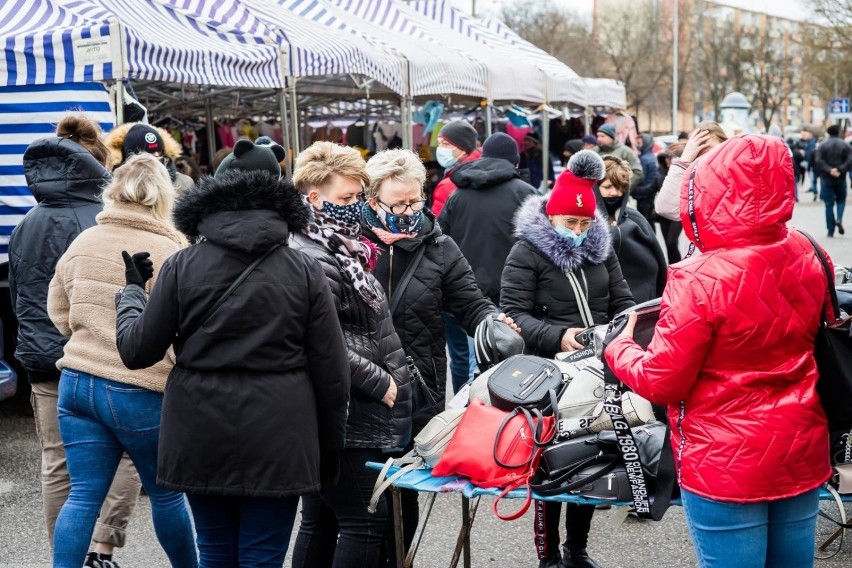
column 396, row 221
column 337, row 530
column 564, row 249
column 639, row 253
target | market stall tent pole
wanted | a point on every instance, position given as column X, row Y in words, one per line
column 545, row 137
column 294, row 115
column 488, row 126
column 211, row 131
column 285, row 133
column 406, row 103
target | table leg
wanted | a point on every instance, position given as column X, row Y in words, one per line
column 421, row 526
column 397, row 526
column 463, row 541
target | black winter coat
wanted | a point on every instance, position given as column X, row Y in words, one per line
column 66, row 182
column 375, row 358
column 442, row 282
column 262, row 386
column 833, row 153
column 536, row 292
column 478, row 217
column 639, row 253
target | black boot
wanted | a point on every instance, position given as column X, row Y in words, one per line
column 577, row 559
column 552, row 562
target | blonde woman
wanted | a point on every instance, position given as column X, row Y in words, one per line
column 105, row 409
column 337, row 530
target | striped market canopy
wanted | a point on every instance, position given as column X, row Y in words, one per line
column 434, row 45
column 59, row 41
column 28, row 113
column 591, row 92
column 563, row 84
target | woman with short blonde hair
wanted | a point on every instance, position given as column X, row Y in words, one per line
column 337, row 529
column 394, row 165
column 104, row 408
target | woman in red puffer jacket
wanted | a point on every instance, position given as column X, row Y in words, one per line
column 732, row 357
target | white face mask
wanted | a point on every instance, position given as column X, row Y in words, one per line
column 445, row 157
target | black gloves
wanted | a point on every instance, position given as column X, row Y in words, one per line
column 138, row 268
column 329, row 468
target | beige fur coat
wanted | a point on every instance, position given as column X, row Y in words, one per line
column 81, row 298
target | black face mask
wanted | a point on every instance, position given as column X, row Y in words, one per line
column 612, row 204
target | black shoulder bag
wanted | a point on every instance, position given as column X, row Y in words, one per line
column 227, row 294
column 833, row 354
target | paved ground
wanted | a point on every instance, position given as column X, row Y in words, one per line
column 496, row 544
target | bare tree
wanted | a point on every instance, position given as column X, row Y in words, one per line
column 557, row 31
column 828, row 42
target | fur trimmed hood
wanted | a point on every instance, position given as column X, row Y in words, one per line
column 240, row 191
column 532, row 225
column 114, row 140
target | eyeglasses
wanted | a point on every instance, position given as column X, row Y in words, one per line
column 570, row 222
column 401, row 208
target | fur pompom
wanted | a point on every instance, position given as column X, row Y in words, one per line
column 587, row 165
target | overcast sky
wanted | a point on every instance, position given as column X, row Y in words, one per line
column 792, row 9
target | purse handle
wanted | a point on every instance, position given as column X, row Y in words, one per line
column 829, row 275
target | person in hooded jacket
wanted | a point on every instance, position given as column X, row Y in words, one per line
column 134, row 137
column 255, row 408
column 639, row 253
column 645, row 190
column 337, row 529
column 395, row 219
column 478, row 217
column 105, row 409
column 564, row 249
column 66, row 175
column 732, row 357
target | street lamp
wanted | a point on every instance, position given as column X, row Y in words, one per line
column 734, row 111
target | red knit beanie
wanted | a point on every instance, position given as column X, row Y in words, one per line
column 572, row 195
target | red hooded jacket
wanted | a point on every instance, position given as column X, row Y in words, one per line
column 446, row 187
column 732, row 354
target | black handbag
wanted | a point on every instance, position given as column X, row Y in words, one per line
column 648, row 313
column 833, row 354
column 650, row 440
column 567, row 455
column 524, row 381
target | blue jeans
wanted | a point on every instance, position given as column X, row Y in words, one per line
column 100, row 420
column 776, row 534
column 242, row 531
column 462, row 353
column 833, row 193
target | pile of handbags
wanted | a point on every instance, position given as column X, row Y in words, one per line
column 553, row 427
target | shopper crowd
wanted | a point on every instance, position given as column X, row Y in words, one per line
column 241, row 345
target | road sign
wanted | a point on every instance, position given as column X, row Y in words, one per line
column 838, row 108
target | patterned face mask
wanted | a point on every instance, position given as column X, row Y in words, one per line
column 346, row 214
column 400, row 223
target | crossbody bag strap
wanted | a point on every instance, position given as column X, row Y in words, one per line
column 582, row 301
column 406, row 278
column 227, row 293
column 832, row 291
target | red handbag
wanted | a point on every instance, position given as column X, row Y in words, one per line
column 495, row 448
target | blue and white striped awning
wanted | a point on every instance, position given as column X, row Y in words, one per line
column 28, row 113
column 45, row 41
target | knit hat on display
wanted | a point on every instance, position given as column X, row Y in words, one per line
column 250, row 157
column 607, row 129
column 460, row 134
column 142, row 138
column 502, row 146
column 573, row 192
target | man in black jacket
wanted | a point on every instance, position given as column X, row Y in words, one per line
column 833, row 161
column 478, row 215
